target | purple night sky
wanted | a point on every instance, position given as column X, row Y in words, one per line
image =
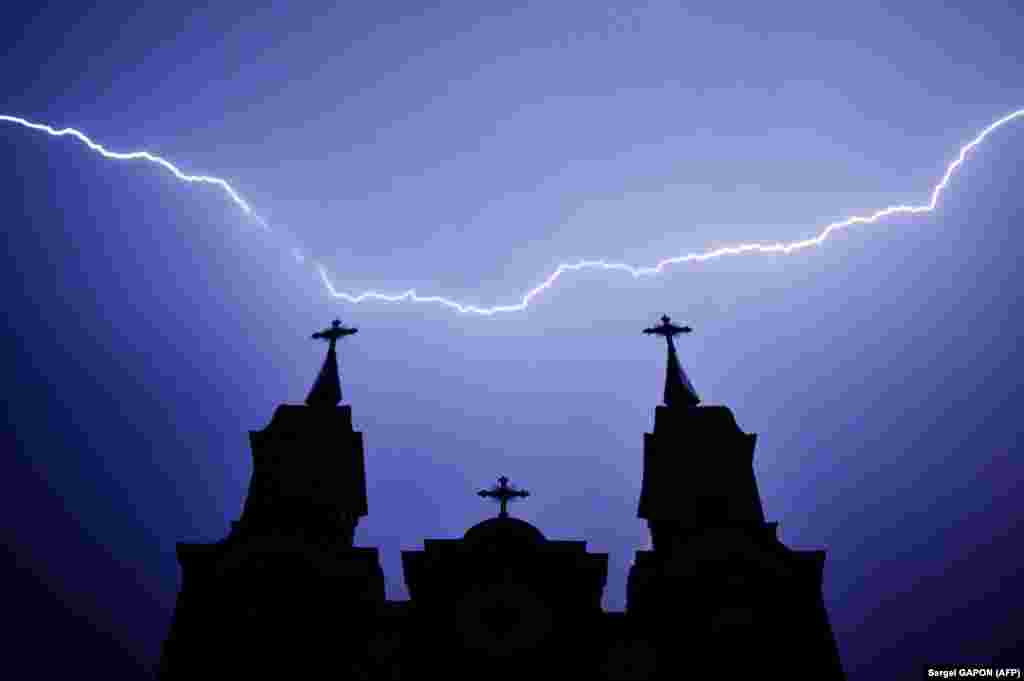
column 465, row 150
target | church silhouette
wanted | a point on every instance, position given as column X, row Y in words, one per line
column 287, row 594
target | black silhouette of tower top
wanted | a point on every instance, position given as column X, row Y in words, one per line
column 678, row 389
column 326, row 391
column 716, row 574
column 308, row 463
column 503, row 493
column 264, row 600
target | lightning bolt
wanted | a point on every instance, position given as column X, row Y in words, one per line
column 144, row 156
column 739, row 249
column 527, row 298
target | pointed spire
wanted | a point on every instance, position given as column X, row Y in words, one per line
column 678, row 389
column 326, row 390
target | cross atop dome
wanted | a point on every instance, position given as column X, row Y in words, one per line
column 678, row 389
column 503, row 493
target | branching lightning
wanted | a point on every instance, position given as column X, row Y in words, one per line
column 412, row 296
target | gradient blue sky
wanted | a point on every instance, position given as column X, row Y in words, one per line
column 466, row 150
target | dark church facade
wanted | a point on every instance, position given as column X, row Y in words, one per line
column 287, row 594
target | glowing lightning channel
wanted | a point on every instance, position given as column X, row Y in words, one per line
column 143, row 155
column 412, row 296
column 637, row 272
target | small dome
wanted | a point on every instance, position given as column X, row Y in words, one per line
column 505, row 532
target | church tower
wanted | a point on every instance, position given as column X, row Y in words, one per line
column 718, row 593
column 268, row 597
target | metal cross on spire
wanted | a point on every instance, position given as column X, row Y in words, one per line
column 502, row 492
column 678, row 389
column 326, row 390
column 668, row 329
